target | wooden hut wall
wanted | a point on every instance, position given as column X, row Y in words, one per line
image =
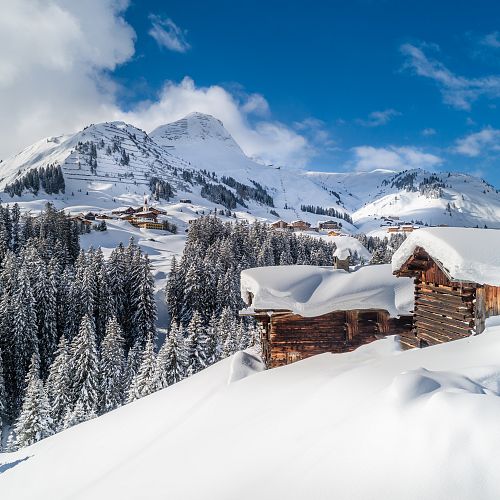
column 287, row 337
column 444, row 310
column 492, row 300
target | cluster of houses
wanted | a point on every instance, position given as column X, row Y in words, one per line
column 443, row 284
column 331, row 226
column 145, row 216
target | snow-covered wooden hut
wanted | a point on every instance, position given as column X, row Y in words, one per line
column 308, row 310
column 457, row 280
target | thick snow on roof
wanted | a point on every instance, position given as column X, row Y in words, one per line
column 342, row 253
column 467, row 254
column 313, row 291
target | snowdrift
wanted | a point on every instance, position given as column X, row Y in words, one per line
column 375, row 423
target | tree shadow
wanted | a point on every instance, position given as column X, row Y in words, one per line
column 10, row 465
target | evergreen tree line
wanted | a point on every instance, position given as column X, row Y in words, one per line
column 329, row 212
column 78, row 337
column 49, row 178
column 382, row 249
column 207, row 278
column 160, row 189
column 257, row 192
column 88, row 378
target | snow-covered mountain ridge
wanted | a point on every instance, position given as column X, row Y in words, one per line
column 114, row 163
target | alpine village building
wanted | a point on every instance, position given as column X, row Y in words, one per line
column 449, row 284
column 456, row 272
column 328, row 309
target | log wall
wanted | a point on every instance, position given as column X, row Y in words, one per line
column 288, row 337
column 444, row 310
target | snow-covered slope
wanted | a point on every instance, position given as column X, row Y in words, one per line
column 199, row 143
column 371, row 424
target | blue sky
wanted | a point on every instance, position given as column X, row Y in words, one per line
column 328, row 85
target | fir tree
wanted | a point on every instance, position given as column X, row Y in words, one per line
column 198, row 344
column 24, row 333
column 3, row 400
column 84, row 378
column 144, row 383
column 112, row 367
column 143, row 301
column 34, row 422
column 172, row 360
column 58, row 383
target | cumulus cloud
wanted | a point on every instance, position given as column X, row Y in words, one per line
column 368, row 158
column 267, row 140
column 56, row 63
column 477, row 143
column 55, row 57
column 378, row 118
column 457, row 91
column 167, row 34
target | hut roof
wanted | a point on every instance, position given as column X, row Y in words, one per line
column 465, row 254
column 313, row 290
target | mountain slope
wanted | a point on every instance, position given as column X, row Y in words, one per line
column 114, row 163
column 374, row 423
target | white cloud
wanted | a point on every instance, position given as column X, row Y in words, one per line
column 457, row 91
column 428, row 132
column 491, row 40
column 368, row 158
column 475, row 144
column 167, row 34
column 54, row 60
column 55, row 63
column 377, row 118
column 268, row 140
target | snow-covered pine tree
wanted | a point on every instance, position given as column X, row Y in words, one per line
column 244, row 336
column 198, row 344
column 193, row 290
column 143, row 301
column 172, row 360
column 3, row 401
column 34, row 422
column 174, row 291
column 58, row 383
column 117, row 274
column 8, row 344
column 112, row 367
column 226, row 326
column 144, row 383
column 45, row 294
column 214, row 347
column 103, row 302
column 24, row 333
column 232, row 343
column 84, row 378
column 265, row 256
column 133, row 364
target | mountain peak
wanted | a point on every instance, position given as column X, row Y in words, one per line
column 194, row 127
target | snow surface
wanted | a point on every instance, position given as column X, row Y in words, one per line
column 371, row 424
column 467, row 254
column 313, row 290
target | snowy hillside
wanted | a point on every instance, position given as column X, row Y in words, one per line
column 414, row 195
column 112, row 164
column 374, row 423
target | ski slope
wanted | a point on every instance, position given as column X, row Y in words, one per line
column 374, row 423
